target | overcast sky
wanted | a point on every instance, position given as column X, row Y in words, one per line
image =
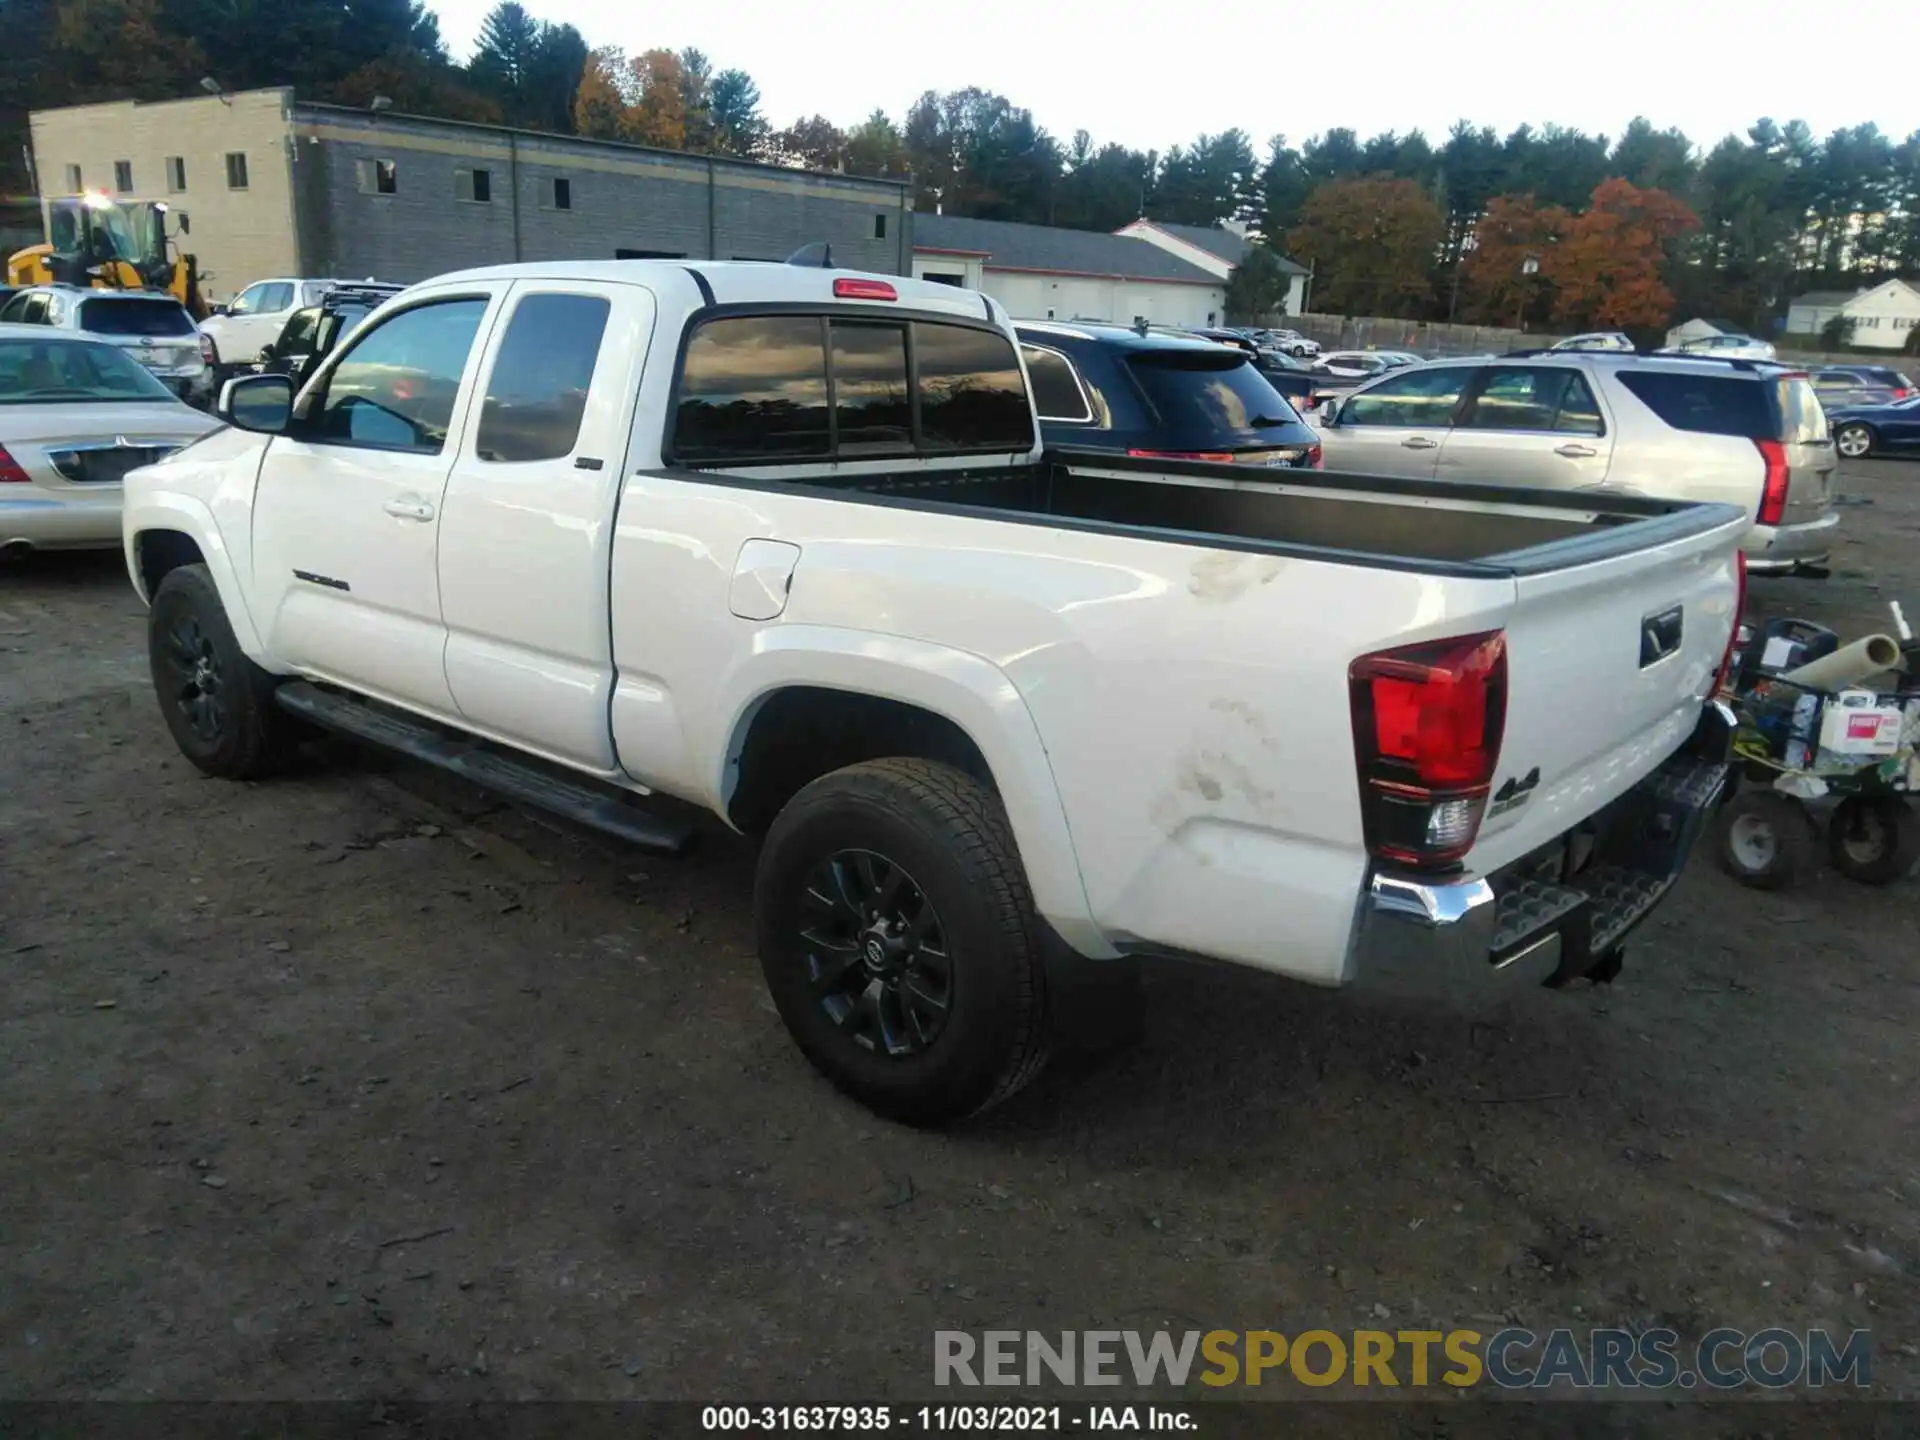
column 1152, row 73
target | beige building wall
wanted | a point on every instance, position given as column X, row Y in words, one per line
column 238, row 235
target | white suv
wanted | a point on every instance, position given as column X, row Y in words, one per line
column 1669, row 427
column 150, row 325
column 1724, row 347
column 255, row 317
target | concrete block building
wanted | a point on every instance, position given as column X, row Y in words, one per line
column 274, row 185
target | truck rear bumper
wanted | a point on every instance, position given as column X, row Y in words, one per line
column 1556, row 914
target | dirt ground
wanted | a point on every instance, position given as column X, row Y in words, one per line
column 359, row 1083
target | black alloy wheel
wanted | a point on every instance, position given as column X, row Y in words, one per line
column 876, row 954
column 196, row 690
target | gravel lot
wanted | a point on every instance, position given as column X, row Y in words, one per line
column 359, row 1083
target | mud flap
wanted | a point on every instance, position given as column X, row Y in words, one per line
column 1093, row 1006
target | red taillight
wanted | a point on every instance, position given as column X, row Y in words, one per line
column 1427, row 725
column 1314, row 457
column 1724, row 680
column 1901, row 394
column 207, row 354
column 1773, row 494
column 1213, row 457
column 10, row 471
column 848, row 289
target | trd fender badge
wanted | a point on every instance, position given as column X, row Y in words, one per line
column 1514, row 794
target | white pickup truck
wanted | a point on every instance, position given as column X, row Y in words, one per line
column 780, row 542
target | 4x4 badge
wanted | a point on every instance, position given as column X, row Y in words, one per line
column 1514, row 794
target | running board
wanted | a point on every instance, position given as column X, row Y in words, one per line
column 603, row 808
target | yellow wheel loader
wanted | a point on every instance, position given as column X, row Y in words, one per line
column 93, row 240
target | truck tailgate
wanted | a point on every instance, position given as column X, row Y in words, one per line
column 1609, row 663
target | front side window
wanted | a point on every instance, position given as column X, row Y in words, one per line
column 1420, row 399
column 274, row 298
column 297, row 338
column 14, row 312
column 537, row 394
column 395, row 388
column 247, row 302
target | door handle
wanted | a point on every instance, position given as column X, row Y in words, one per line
column 1420, row 442
column 409, row 509
column 1576, row 452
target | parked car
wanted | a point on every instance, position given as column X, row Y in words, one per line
column 1609, row 340
column 75, row 416
column 1356, row 364
column 1304, row 386
column 1852, row 386
column 310, row 334
column 254, row 318
column 1723, row 347
column 1291, row 342
column 1169, row 396
column 1002, row 720
column 1890, row 428
column 1738, row 432
column 150, row 325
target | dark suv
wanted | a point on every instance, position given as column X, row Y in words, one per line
column 309, row 335
column 1107, row 387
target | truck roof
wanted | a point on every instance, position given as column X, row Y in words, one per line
column 745, row 281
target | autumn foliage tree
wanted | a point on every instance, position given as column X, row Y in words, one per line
column 1495, row 287
column 1606, row 269
column 1372, row 244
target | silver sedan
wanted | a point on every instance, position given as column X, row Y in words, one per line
column 75, row 417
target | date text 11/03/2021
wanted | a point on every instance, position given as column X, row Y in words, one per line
column 937, row 1419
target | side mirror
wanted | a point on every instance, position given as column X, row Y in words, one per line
column 260, row 403
column 213, row 310
column 1330, row 411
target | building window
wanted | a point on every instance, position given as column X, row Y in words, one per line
column 880, row 227
column 236, row 170
column 74, row 182
column 944, row 277
column 1868, row 322
column 377, row 177
column 562, row 193
column 176, row 173
column 123, row 176
column 473, row 185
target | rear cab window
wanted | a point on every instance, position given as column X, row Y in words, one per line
column 799, row 387
column 127, row 316
column 1205, row 398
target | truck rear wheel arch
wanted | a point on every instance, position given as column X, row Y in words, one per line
column 801, row 732
column 159, row 552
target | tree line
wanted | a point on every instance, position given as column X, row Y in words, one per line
column 1621, row 231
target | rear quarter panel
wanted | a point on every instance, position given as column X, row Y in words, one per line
column 1192, row 703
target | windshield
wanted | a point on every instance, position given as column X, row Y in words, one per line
column 1207, row 399
column 128, row 316
column 40, row 372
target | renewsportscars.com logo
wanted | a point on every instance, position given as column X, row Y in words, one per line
column 1511, row 1359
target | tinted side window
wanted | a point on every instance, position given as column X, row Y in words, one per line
column 14, row 312
column 871, row 406
column 1579, row 411
column 537, row 393
column 275, row 297
column 1423, row 399
column 754, row 388
column 395, row 388
column 1534, row 398
column 971, row 393
column 1704, row 404
column 297, row 338
column 1056, row 393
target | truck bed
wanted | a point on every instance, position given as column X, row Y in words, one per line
column 1410, row 524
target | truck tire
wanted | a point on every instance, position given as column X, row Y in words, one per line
column 1874, row 839
column 217, row 703
column 899, row 940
